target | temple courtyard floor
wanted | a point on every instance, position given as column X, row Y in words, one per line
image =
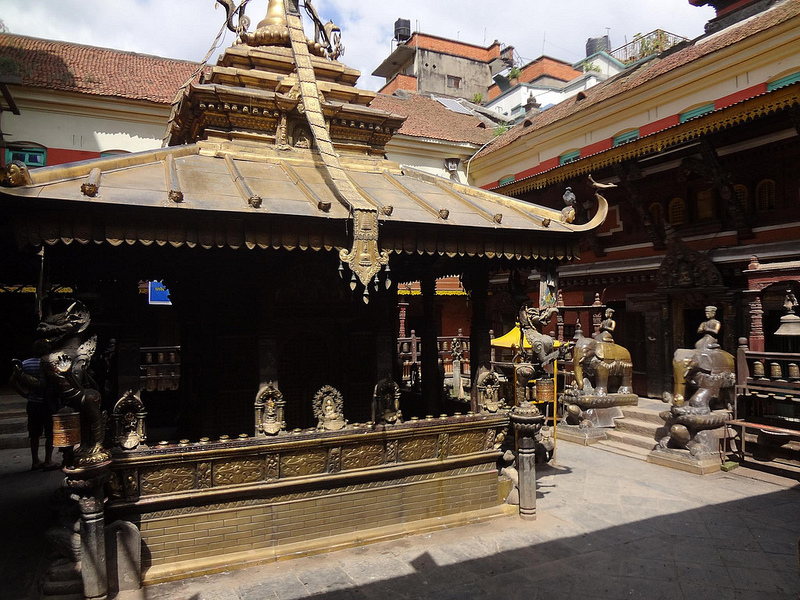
column 609, row 526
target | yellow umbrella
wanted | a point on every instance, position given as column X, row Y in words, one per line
column 510, row 340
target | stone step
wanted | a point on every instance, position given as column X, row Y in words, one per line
column 13, row 440
column 14, row 413
column 631, row 439
column 623, row 449
column 645, row 413
column 13, row 425
column 12, row 402
column 639, row 427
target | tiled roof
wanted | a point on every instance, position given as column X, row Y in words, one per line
column 89, row 70
column 429, row 118
column 631, row 79
column 454, row 47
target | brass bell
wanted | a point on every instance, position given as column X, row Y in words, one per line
column 790, row 322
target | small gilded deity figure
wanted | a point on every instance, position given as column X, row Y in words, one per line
column 329, row 408
column 709, row 330
column 607, row 327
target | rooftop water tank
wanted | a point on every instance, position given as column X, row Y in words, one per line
column 598, row 44
column 402, row 29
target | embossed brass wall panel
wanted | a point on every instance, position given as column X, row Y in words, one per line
column 167, row 479
column 297, row 464
column 363, row 455
column 467, row 443
column 234, row 472
column 417, row 448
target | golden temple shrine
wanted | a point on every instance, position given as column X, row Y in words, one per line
column 281, row 233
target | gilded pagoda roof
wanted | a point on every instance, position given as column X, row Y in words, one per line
column 205, row 194
column 276, row 147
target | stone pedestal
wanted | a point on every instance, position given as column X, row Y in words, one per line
column 677, row 458
column 527, row 421
column 577, row 434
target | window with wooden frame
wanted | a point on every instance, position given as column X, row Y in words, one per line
column 677, row 211
column 765, row 195
column 32, row 157
column 742, row 196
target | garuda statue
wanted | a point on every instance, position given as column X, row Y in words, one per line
column 66, row 368
column 708, row 372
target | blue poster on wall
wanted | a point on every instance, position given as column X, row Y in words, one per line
column 157, row 293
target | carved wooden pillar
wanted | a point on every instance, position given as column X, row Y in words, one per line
column 756, row 325
column 402, row 308
column 654, row 360
column 479, row 343
column 431, row 378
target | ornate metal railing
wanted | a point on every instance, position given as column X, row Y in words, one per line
column 646, row 45
column 451, row 347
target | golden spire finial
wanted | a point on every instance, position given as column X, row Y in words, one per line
column 276, row 15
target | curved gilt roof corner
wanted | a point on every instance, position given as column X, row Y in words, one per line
column 286, row 154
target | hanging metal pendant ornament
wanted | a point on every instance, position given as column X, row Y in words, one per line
column 365, row 297
column 376, row 281
column 341, row 270
column 364, row 258
column 388, row 280
column 353, row 281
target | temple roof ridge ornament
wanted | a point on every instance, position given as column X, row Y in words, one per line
column 273, row 29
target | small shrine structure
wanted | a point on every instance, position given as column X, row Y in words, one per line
column 281, row 232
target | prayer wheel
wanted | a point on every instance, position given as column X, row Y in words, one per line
column 545, row 389
column 66, row 428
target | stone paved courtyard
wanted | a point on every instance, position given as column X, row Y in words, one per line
column 609, row 527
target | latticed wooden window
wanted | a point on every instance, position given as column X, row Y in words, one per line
column 657, row 213
column 742, row 196
column 677, row 211
column 765, row 195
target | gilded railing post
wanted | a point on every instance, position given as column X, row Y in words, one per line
column 527, row 421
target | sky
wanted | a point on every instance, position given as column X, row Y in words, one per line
column 186, row 29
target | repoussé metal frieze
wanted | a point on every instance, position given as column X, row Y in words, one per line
column 164, row 470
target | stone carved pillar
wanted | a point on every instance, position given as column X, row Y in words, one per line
column 479, row 343
column 87, row 489
column 527, row 421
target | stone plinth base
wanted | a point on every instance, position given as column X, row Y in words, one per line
column 581, row 435
column 681, row 459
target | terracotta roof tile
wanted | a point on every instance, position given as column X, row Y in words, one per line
column 89, row 70
column 429, row 118
column 631, row 79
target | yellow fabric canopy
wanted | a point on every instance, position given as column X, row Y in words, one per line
column 510, row 340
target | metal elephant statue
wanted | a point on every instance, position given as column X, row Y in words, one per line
column 601, row 359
